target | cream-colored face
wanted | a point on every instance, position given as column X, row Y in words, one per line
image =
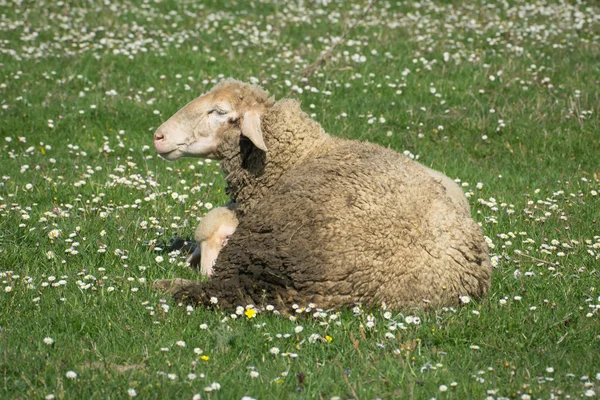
column 194, row 130
column 197, row 130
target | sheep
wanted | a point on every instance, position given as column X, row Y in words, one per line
column 322, row 220
column 212, row 234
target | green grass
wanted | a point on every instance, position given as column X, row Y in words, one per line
column 537, row 332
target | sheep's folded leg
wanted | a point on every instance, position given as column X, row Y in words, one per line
column 171, row 286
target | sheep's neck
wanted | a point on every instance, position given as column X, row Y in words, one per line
column 250, row 173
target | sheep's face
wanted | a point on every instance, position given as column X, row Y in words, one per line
column 202, row 127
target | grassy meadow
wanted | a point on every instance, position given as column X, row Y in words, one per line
column 502, row 95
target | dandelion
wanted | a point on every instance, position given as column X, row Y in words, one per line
column 48, row 340
column 250, row 313
column 329, row 338
column 204, row 358
column 71, row 374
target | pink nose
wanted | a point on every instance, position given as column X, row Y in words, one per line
column 158, row 136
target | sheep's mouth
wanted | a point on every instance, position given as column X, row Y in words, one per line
column 171, row 155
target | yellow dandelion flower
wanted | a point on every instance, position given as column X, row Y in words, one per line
column 250, row 313
column 329, row 338
column 205, row 358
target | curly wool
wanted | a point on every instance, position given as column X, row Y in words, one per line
column 336, row 222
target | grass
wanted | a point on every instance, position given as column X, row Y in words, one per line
column 505, row 95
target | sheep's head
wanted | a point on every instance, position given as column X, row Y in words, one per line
column 201, row 128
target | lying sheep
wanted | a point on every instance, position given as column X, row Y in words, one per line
column 212, row 234
column 322, row 220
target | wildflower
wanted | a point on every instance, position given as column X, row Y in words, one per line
column 298, row 329
column 180, row 343
column 203, row 326
column 159, row 259
column 474, row 347
column 274, row 350
column 8, row 289
column 71, row 374
column 191, row 377
column 49, row 396
column 205, row 358
column 131, row 392
column 198, row 350
column 214, row 300
column 443, row 388
column 329, row 338
column 48, row 340
column 250, row 313
column 254, row 374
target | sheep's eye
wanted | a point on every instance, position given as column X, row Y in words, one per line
column 217, row 111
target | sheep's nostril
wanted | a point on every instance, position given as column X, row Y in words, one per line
column 158, row 137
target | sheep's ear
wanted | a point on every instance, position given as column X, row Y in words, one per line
column 251, row 129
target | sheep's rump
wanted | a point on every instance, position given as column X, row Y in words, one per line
column 358, row 223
